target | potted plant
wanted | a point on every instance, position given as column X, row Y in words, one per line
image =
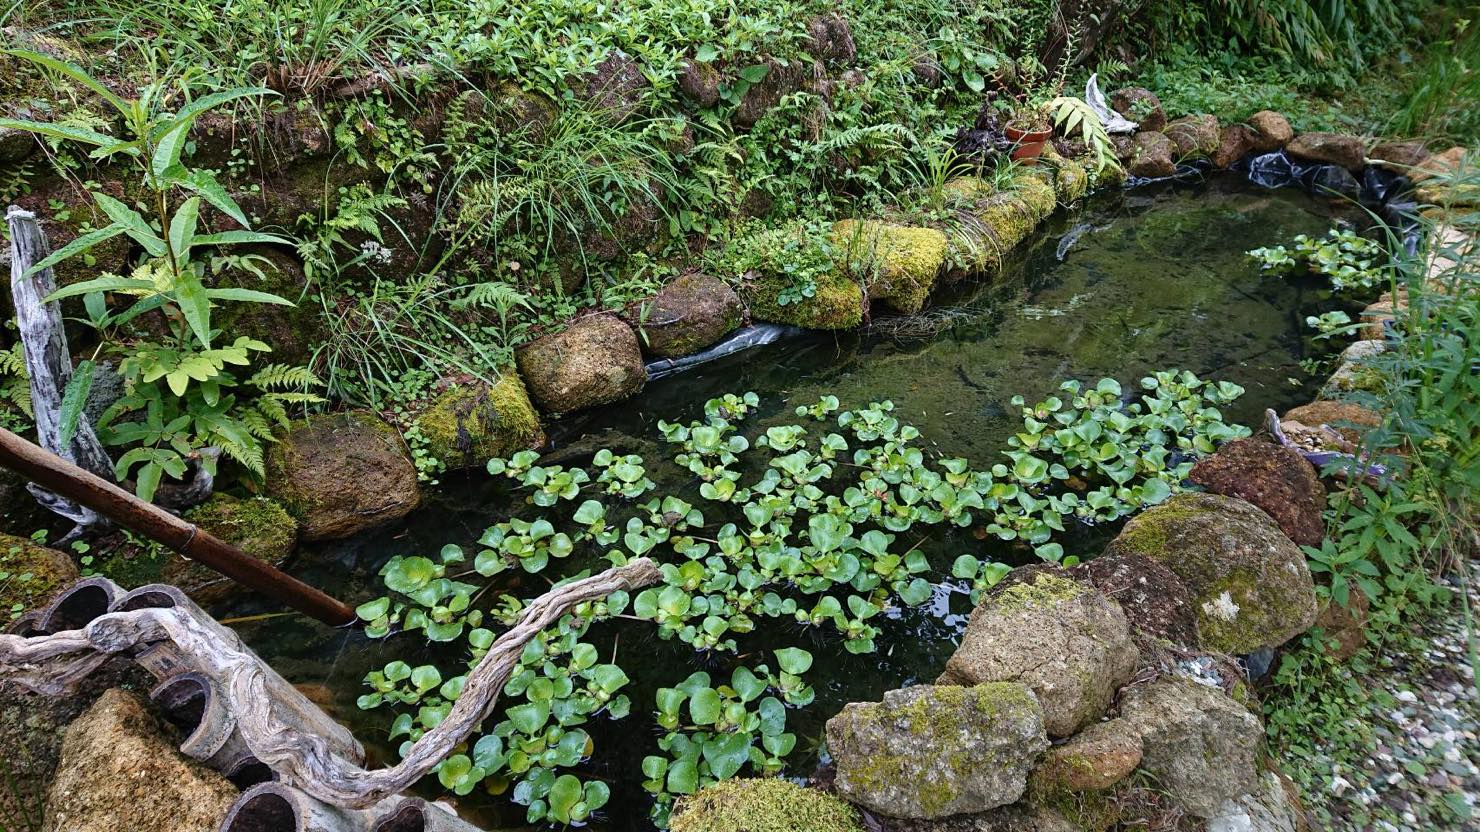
column 1029, row 130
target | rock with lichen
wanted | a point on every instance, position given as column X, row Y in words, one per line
column 1199, row 745
column 1235, row 141
column 931, row 751
column 593, row 361
column 1153, row 156
column 118, row 771
column 30, row 575
column 1250, row 583
column 1141, row 106
column 341, row 473
column 1329, row 148
column 1157, row 605
column 1195, row 137
column 769, row 805
column 897, row 263
column 615, row 88
column 1269, row 131
column 470, row 423
column 700, row 82
column 689, row 313
column 1067, row 642
column 1352, row 421
column 1095, row 759
column 1276, row 479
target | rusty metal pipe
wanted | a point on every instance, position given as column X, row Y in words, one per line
column 87, row 489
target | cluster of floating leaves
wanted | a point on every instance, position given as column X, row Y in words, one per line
column 805, row 524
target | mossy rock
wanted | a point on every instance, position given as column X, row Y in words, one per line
column 898, row 264
column 1071, row 178
column 30, row 576
column 1195, row 137
column 468, row 424
column 932, row 751
column 990, row 223
column 1250, row 584
column 342, row 473
column 1063, row 639
column 292, row 331
column 837, row 302
column 593, row 361
column 259, row 526
column 771, row 805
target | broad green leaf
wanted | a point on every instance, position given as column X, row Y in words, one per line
column 182, row 229
column 73, row 401
column 59, row 131
column 704, row 706
column 76, row 73
column 102, row 284
column 81, row 243
column 133, row 224
column 204, row 183
column 726, row 753
column 195, row 305
column 794, row 660
column 247, row 296
column 231, row 238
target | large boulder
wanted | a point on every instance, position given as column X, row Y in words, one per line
column 258, row 526
column 772, row 805
column 700, row 82
column 118, row 772
column 30, row 575
column 472, row 422
column 933, row 751
column 1199, row 745
column 1276, row 479
column 1153, row 156
column 594, row 361
column 782, row 78
column 1270, row 131
column 342, row 473
column 690, row 313
column 1195, row 137
column 830, row 38
column 1141, row 106
column 1156, row 603
column 1067, row 642
column 1330, row 148
column 897, row 263
column 1251, row 584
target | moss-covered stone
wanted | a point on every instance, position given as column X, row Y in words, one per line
column 1069, row 644
column 1195, row 137
column 989, row 223
column 259, row 526
column 772, row 805
column 897, row 263
column 30, row 575
column 291, row 331
column 1071, row 179
column 341, row 473
column 468, row 424
column 1251, row 585
column 931, row 751
column 837, row 302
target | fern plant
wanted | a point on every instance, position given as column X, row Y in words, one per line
column 1071, row 115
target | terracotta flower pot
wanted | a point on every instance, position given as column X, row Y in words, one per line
column 1027, row 144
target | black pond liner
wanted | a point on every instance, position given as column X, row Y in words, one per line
column 1387, row 195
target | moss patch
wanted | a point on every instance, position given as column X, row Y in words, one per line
column 763, row 806
column 898, row 263
column 467, row 425
column 30, row 575
column 837, row 303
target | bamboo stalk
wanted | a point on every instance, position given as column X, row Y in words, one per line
column 87, row 489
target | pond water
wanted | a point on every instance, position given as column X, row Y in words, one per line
column 1132, row 282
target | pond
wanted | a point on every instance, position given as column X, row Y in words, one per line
column 1132, row 282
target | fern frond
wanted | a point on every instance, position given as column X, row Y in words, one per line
column 284, row 376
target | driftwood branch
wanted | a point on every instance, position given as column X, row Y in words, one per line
column 276, row 724
column 49, row 363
